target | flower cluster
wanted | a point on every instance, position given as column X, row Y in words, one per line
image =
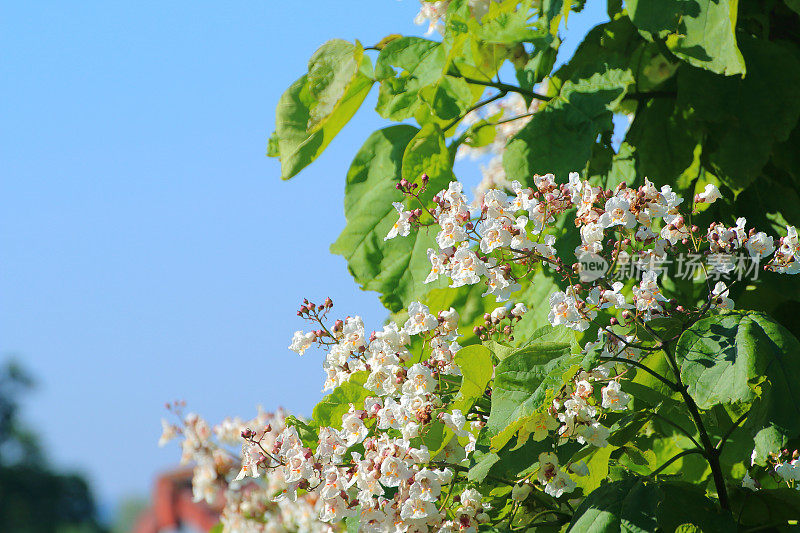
column 506, row 236
column 434, row 12
column 783, row 467
column 391, row 482
column 245, row 506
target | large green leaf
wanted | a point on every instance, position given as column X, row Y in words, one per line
column 315, row 107
column 641, row 505
column 745, row 358
column 701, row 32
column 523, row 382
column 395, row 268
column 744, row 118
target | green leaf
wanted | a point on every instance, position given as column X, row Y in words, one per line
column 621, row 506
column 308, row 433
column 559, row 137
column 480, row 470
column 664, row 141
column 701, row 32
column 744, row 117
column 507, row 23
column 597, row 460
column 421, row 62
column 607, row 47
column 766, row 506
column 395, row 268
column 316, row 106
column 641, row 505
column 476, row 367
column 522, row 384
column 330, row 410
column 744, row 357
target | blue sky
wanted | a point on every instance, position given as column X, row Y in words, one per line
column 148, row 249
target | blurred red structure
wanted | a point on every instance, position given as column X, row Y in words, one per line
column 172, row 506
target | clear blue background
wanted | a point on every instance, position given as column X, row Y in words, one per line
column 148, row 249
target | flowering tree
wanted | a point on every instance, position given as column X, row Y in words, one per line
column 563, row 351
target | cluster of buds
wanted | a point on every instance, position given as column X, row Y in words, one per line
column 500, row 322
column 315, row 313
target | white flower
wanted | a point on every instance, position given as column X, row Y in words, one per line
column 583, row 389
column 353, row 429
column 524, row 197
column 614, row 398
column 518, row 310
column 561, row 483
column 544, row 182
column 393, row 472
column 451, row 233
column 352, row 337
column 419, row 380
column 437, row 265
column 720, row 293
column 617, row 213
column 613, row 298
column 547, row 248
column 427, row 485
column 449, row 320
column 433, row 12
column 647, row 295
column 455, row 421
column 498, row 285
column 564, row 311
column 594, row 434
column 419, row 320
column 496, row 203
column 591, row 233
column 466, row 268
column 548, row 465
column 521, row 240
column 710, row 195
column 403, row 225
column 302, row 341
column 499, row 313
column 575, row 187
column 760, row 245
column 494, row 236
column 417, row 509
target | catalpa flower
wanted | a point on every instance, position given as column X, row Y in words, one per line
column 614, row 398
column 302, row 341
column 403, row 225
column 419, row 320
column 617, row 214
column 710, row 195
